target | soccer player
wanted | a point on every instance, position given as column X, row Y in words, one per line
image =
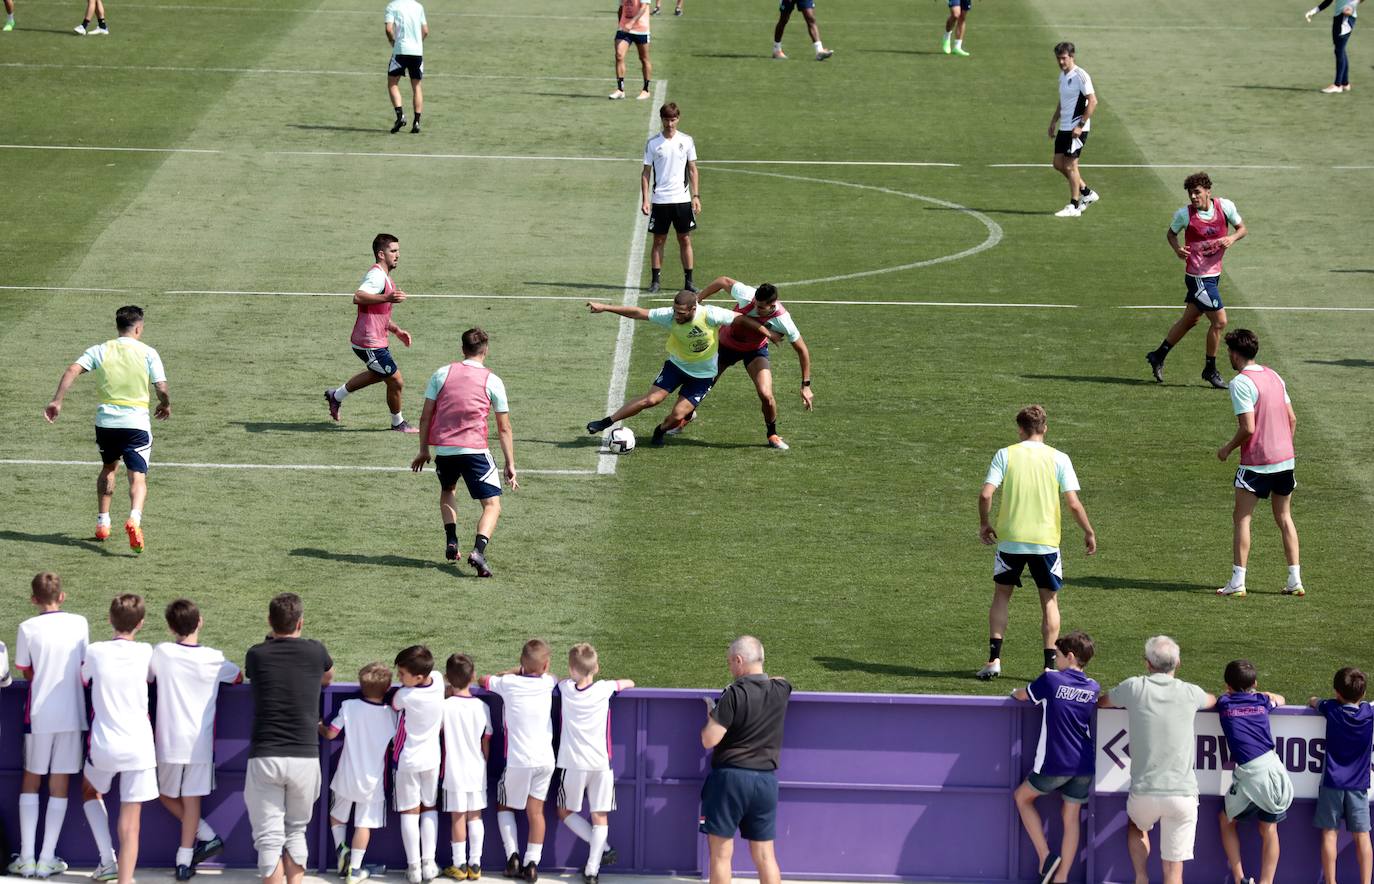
column 1342, row 26
column 658, row 7
column 94, row 9
column 633, row 27
column 691, row 364
column 737, row 345
column 1069, row 128
column 457, row 400
column 359, row 785
column 1032, row 476
column 9, row 15
column 808, row 11
column 670, row 163
column 420, row 701
column 954, row 27
column 1264, row 434
column 123, row 370
column 406, row 30
column 371, row 341
column 467, row 745
column 1203, row 223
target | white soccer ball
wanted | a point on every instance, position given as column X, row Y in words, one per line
column 622, row 440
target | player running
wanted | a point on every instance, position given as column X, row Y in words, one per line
column 808, row 11
column 1203, row 223
column 632, row 27
column 406, row 30
column 692, row 349
column 371, row 331
column 954, row 27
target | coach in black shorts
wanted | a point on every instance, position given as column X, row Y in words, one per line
column 670, row 166
column 744, row 730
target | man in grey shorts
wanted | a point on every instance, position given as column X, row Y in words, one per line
column 282, row 783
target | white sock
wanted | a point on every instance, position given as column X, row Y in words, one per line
column 397, row 419
column 410, row 837
column 52, row 826
column 102, row 519
column 28, row 823
column 136, row 516
column 1295, row 575
column 777, row 47
column 1237, row 575
column 958, row 44
column 579, row 825
column 505, row 821
column 99, row 820
column 342, row 393
column 184, row 855
column 340, row 832
column 355, row 858
column 459, row 851
column 599, row 836
column 533, row 853
column 429, row 834
column 204, row 832
column 949, row 35
column 817, row 46
column 477, row 832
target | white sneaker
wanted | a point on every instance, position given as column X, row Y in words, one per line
column 1345, row 88
column 1069, row 211
column 616, row 95
column 1332, row 90
column 24, row 868
column 775, row 441
column 81, row 32
column 429, row 871
column 106, row 872
column 990, row 670
column 780, row 55
column 1233, row 590
column 413, row 874
column 1091, row 197
column 643, row 95
column 99, row 31
column 46, row 868
column 1294, row 589
column 823, row 54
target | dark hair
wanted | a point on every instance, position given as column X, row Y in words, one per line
column 417, row 660
column 1077, row 643
column 1240, row 675
column 381, row 241
column 474, row 341
column 126, row 612
column 684, row 297
column 1197, row 179
column 766, row 293
column 46, row 587
column 459, row 670
column 1065, row 48
column 183, row 617
column 1349, row 684
column 128, row 317
column 284, row 613
column 669, row 111
column 1031, row 419
column 1244, row 342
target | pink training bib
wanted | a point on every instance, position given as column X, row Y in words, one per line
column 1204, row 252
column 1272, row 441
column 461, row 409
column 370, row 328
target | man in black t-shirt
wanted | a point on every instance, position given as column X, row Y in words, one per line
column 744, row 731
column 282, row 783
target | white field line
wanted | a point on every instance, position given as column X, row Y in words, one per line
column 55, row 288
column 624, row 336
column 1258, row 307
column 180, row 69
column 389, row 155
column 310, row 467
column 109, row 149
column 926, row 304
column 466, row 297
column 1147, row 166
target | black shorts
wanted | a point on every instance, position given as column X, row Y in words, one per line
column 1263, row 484
column 412, row 66
column 627, row 37
column 676, row 215
column 134, row 447
column 1063, row 143
column 478, row 472
column 735, row 799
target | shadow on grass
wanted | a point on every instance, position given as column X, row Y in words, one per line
column 676, row 441
column 593, row 286
column 1277, row 88
column 358, row 559
column 302, row 427
column 987, row 211
column 844, row 664
column 94, row 546
column 1353, row 270
column 1094, row 379
column 1139, row 583
column 747, row 56
column 902, row 51
column 376, row 130
column 1344, row 363
column 596, row 96
column 587, row 441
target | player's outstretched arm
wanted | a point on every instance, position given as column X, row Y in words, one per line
column 804, row 360
column 755, row 326
column 54, row 407
column 1080, row 515
column 719, row 284
column 507, row 437
column 619, row 309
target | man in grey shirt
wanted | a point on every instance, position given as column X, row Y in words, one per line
column 1161, row 709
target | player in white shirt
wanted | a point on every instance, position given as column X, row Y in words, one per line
column 122, row 745
column 1069, row 128
column 48, row 653
column 670, row 165
column 467, row 746
column 406, row 30
column 584, row 754
column 418, row 759
column 368, row 726
column 188, row 676
column 527, row 694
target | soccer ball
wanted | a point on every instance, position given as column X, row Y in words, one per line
column 622, row 440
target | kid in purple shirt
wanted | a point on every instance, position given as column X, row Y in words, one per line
column 1344, row 792
column 1260, row 787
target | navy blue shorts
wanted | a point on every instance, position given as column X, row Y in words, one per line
column 787, row 5
column 1334, row 805
column 694, row 389
column 378, row 361
column 627, row 37
column 1046, row 569
column 478, row 471
column 1263, row 484
column 965, row 5
column 1202, row 293
column 730, row 357
column 735, row 799
column 412, row 66
column 135, row 447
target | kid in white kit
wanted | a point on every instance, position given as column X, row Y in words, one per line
column 584, row 754
column 188, row 676
column 527, row 692
column 467, row 745
column 418, row 758
column 122, row 745
column 359, row 785
column 48, row 653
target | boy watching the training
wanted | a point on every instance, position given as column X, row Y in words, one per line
column 1344, row 791
column 467, row 745
column 527, row 692
column 122, row 745
column 1260, row 787
column 1064, row 759
column 584, row 754
column 359, row 788
column 48, row 653
column 417, row 757
column 188, row 676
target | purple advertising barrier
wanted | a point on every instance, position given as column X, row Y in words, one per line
column 874, row 787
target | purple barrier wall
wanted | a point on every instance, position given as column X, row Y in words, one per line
column 874, row 787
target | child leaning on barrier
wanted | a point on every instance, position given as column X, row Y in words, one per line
column 1344, row 792
column 1260, row 787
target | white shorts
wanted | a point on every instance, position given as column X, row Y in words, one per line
column 519, row 784
column 1177, row 818
column 185, row 780
column 134, row 785
column 599, row 786
column 458, row 802
column 58, row 753
column 366, row 814
column 415, row 788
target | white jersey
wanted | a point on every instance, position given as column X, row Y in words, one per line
column 528, row 717
column 466, row 721
column 586, row 740
column 121, row 734
column 1074, row 89
column 52, row 645
column 367, row 728
column 669, row 157
column 188, row 679
column 782, row 324
column 422, row 720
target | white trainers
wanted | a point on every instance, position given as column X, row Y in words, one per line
column 823, row 54
column 80, row 31
column 643, row 95
column 429, row 871
column 98, row 31
column 1294, row 589
column 1069, row 211
column 1091, row 197
column 24, row 868
column 414, row 875
column 616, row 95
column 1332, row 90
column 775, row 441
column 990, row 670
column 106, row 872
column 1232, row 590
column 780, row 55
column 46, row 868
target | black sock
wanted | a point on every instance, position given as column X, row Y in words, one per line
column 1085, row 190
column 658, row 272
column 772, row 427
column 451, row 532
column 620, row 83
column 1075, row 203
column 101, row 22
column 85, row 23
column 1049, row 658
column 417, row 118
column 480, row 544
column 1164, row 348
column 658, row 433
column 400, row 112
column 1211, row 363
column 687, row 275
column 994, row 649
column 646, row 85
